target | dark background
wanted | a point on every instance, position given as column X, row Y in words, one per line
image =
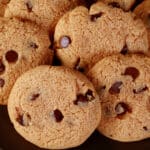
column 11, row 140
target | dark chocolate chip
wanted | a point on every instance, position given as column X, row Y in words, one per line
column 29, row 6
column 96, row 16
column 19, row 119
column 114, row 4
column 2, row 67
column 121, row 109
column 145, row 128
column 89, row 95
column 140, row 90
column 80, row 99
column 124, row 50
column 115, row 88
column 2, row 82
column 132, row 71
column 64, row 41
column 34, row 97
column 58, row 115
column 11, row 56
column 33, row 45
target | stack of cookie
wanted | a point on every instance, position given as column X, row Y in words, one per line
column 103, row 82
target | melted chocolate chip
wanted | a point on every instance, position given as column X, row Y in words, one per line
column 145, row 128
column 140, row 90
column 124, row 50
column 121, row 109
column 89, row 95
column 133, row 72
column 2, row 67
column 29, row 6
column 34, row 97
column 58, row 115
column 96, row 16
column 2, row 82
column 24, row 120
column 33, row 45
column 81, row 99
column 115, row 88
column 114, row 4
column 11, row 56
column 19, row 119
column 64, row 41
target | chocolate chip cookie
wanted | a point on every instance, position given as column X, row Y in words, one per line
column 23, row 45
column 83, row 37
column 143, row 11
column 54, row 107
column 124, row 4
column 123, row 85
column 43, row 12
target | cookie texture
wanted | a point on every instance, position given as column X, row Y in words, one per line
column 124, row 4
column 3, row 4
column 45, row 12
column 143, row 11
column 82, row 37
column 123, row 85
column 22, row 46
column 54, row 107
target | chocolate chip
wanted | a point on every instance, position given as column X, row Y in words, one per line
column 29, row 6
column 2, row 67
column 121, row 109
column 24, row 119
column 132, row 71
column 140, row 90
column 19, row 119
column 96, row 16
column 33, row 45
column 89, row 95
column 80, row 99
column 11, row 56
column 145, row 128
column 114, row 4
column 34, row 97
column 124, row 50
column 2, row 82
column 58, row 115
column 115, row 88
column 64, row 41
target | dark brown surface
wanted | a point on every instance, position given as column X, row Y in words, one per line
column 10, row 140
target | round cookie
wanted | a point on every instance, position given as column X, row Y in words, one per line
column 82, row 37
column 3, row 4
column 124, row 4
column 54, row 107
column 123, row 85
column 23, row 45
column 143, row 11
column 45, row 12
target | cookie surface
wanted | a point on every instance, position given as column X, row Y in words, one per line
column 82, row 36
column 22, row 46
column 123, row 85
column 45, row 12
column 3, row 4
column 143, row 11
column 54, row 107
column 124, row 4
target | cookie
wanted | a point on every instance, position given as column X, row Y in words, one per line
column 23, row 45
column 54, row 107
column 83, row 37
column 123, row 85
column 3, row 4
column 45, row 12
column 143, row 11
column 124, row 4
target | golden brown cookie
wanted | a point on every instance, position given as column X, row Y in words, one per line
column 54, row 107
column 83, row 37
column 23, row 45
column 43, row 12
column 123, row 85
